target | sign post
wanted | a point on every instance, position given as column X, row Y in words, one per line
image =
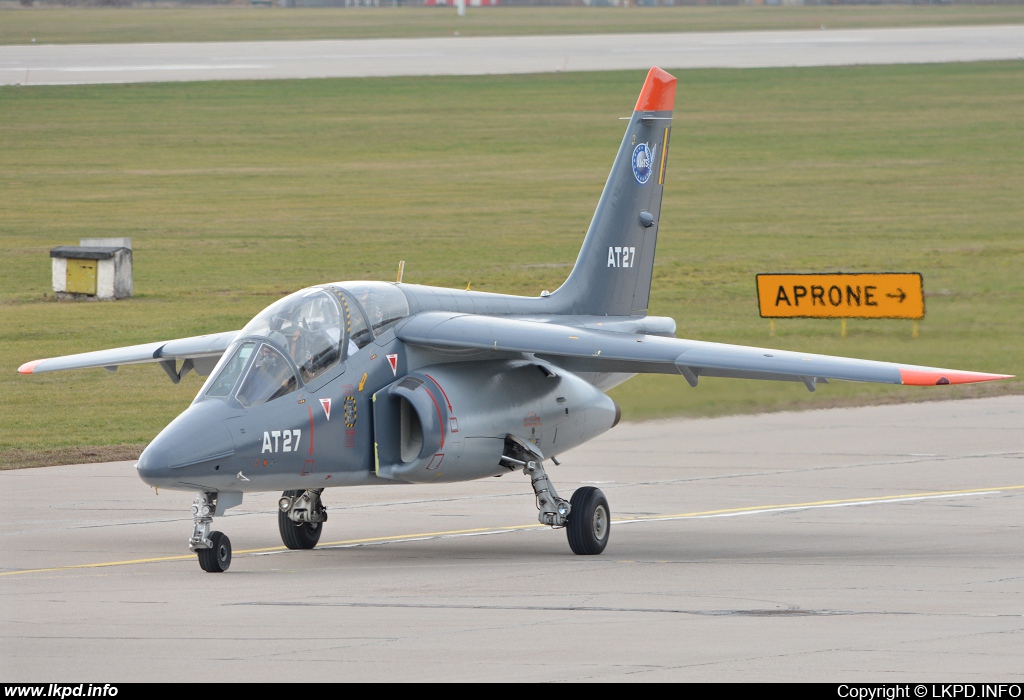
column 841, row 295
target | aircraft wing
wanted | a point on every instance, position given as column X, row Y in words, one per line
column 202, row 350
column 590, row 350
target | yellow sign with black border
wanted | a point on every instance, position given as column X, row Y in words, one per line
column 841, row 295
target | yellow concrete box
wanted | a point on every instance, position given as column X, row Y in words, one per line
column 100, row 268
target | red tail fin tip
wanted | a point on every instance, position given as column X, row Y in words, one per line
column 659, row 93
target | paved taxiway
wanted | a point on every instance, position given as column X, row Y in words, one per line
column 872, row 544
column 128, row 63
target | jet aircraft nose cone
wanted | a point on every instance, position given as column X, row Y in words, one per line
column 189, row 447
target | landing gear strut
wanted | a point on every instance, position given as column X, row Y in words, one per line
column 300, row 517
column 586, row 518
column 212, row 548
column 553, row 510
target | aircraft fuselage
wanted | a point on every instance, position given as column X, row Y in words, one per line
column 389, row 412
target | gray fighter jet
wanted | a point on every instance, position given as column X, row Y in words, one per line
column 359, row 383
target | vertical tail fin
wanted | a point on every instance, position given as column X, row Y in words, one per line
column 612, row 275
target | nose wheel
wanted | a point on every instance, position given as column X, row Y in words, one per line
column 217, row 558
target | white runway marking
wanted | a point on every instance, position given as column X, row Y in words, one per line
column 118, row 69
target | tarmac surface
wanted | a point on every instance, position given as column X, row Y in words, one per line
column 130, row 63
column 877, row 544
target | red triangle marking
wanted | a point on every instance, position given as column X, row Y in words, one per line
column 326, row 403
column 393, row 361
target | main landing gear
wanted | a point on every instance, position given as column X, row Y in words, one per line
column 590, row 522
column 300, row 517
column 586, row 517
column 212, row 548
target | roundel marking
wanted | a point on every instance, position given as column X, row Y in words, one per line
column 642, row 160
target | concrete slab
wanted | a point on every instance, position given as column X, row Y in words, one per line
column 869, row 544
column 132, row 63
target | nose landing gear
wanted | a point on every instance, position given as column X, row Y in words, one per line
column 212, row 548
column 218, row 557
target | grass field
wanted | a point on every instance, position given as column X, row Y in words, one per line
column 107, row 25
column 237, row 193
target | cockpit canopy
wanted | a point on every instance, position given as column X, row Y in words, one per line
column 300, row 337
column 307, row 325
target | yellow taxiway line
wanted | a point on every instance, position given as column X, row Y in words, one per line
column 724, row 512
column 752, row 510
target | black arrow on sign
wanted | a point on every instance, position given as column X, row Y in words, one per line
column 901, row 296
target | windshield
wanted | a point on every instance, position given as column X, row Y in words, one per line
column 307, row 326
column 225, row 381
column 269, row 377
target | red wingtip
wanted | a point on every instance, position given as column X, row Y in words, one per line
column 28, row 367
column 933, row 377
column 659, row 93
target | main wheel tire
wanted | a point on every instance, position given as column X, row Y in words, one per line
column 218, row 557
column 590, row 521
column 297, row 535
